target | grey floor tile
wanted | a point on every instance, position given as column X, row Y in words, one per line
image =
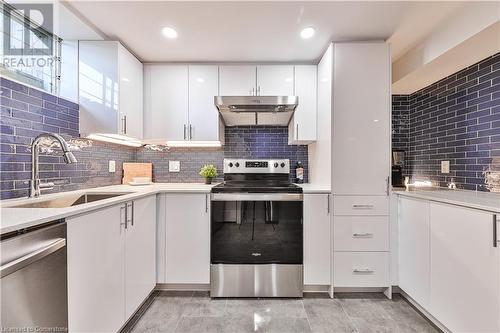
column 200, row 324
column 291, row 308
column 327, row 315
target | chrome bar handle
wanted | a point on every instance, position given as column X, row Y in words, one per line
column 206, row 203
column 363, row 271
column 297, row 131
column 184, row 131
column 25, row 260
column 328, row 204
column 387, row 186
column 133, row 217
column 362, row 206
column 495, row 231
column 258, row 91
column 123, row 124
column 125, row 220
column 190, row 132
column 362, row 235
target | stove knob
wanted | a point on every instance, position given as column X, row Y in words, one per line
column 237, row 164
column 230, row 164
column 282, row 165
column 275, row 164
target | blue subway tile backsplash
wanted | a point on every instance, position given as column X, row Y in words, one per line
column 26, row 112
column 455, row 119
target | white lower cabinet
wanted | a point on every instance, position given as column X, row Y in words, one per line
column 111, row 264
column 140, row 251
column 317, row 231
column 414, row 256
column 187, row 242
column 465, row 269
column 361, row 233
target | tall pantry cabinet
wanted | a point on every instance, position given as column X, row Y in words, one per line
column 361, row 129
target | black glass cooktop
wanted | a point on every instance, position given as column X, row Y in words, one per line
column 256, row 187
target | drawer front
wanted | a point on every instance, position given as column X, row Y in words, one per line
column 361, row 269
column 361, row 233
column 359, row 205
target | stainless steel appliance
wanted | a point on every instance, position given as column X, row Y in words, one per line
column 398, row 160
column 256, row 231
column 33, row 279
column 256, row 110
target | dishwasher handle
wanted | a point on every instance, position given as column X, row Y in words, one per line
column 26, row 260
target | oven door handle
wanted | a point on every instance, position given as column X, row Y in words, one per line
column 256, row 197
column 25, row 260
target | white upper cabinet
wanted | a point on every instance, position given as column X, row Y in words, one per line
column 302, row 127
column 275, row 80
column 131, row 93
column 361, row 145
column 179, row 103
column 110, row 90
column 414, row 249
column 203, row 115
column 166, row 101
column 237, row 80
column 465, row 267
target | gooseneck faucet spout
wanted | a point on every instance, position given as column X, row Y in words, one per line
column 69, row 158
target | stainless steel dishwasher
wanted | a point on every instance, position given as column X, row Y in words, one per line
column 33, row 279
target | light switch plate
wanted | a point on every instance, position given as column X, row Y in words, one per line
column 112, row 166
column 445, row 166
column 174, row 166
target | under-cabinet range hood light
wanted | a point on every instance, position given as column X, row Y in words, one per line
column 199, row 144
column 256, row 110
column 116, row 139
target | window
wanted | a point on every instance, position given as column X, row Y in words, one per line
column 30, row 53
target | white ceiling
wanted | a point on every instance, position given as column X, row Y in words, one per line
column 259, row 31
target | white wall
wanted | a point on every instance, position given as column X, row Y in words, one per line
column 320, row 151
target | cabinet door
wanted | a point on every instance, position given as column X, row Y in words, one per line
column 166, row 115
column 303, row 127
column 414, row 264
column 317, row 234
column 361, row 118
column 237, row 80
column 275, row 80
column 203, row 115
column 96, row 285
column 98, row 87
column 465, row 288
column 140, row 253
column 188, row 238
column 131, row 90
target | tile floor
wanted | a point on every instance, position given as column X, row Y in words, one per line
column 196, row 312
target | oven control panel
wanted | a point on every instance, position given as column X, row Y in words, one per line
column 256, row 166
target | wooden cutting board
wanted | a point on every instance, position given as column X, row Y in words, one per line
column 131, row 170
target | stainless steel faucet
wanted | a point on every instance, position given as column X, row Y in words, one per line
column 69, row 158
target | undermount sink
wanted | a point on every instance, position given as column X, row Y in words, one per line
column 69, row 200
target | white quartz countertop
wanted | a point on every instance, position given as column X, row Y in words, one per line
column 473, row 199
column 315, row 188
column 13, row 219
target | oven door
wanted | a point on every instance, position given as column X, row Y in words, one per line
column 256, row 228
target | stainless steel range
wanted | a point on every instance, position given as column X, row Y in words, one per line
column 256, row 231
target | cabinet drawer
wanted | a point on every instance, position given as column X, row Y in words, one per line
column 361, row 269
column 361, row 233
column 360, row 205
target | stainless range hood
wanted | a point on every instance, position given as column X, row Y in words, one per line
column 256, row 110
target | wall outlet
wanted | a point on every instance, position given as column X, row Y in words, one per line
column 445, row 166
column 112, row 166
column 174, row 166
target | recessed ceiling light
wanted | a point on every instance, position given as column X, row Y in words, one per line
column 169, row 32
column 307, row 33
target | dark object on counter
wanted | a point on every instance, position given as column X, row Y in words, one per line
column 397, row 176
column 299, row 173
column 208, row 180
